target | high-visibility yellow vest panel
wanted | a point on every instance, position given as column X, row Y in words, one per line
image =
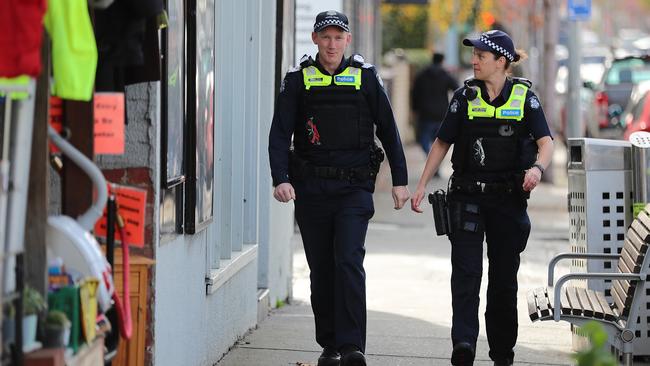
column 74, row 50
column 512, row 109
column 312, row 77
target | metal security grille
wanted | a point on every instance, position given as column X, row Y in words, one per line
column 600, row 201
column 640, row 169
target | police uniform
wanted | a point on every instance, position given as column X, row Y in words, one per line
column 333, row 120
column 494, row 142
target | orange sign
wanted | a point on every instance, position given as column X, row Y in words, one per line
column 56, row 118
column 131, row 205
column 109, row 123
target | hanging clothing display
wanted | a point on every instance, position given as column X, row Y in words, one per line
column 21, row 30
column 74, row 51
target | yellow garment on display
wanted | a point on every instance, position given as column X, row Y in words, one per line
column 74, row 50
column 351, row 76
column 512, row 109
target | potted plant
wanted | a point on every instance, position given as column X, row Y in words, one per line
column 33, row 305
column 8, row 323
column 57, row 329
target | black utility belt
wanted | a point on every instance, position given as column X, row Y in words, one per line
column 462, row 185
column 328, row 172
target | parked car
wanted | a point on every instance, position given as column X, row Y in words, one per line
column 614, row 90
column 636, row 116
column 592, row 69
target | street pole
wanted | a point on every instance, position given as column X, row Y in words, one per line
column 574, row 128
column 451, row 51
column 551, row 24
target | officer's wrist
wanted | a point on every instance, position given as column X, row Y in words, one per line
column 539, row 167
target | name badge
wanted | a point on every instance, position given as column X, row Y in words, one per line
column 344, row 79
column 312, row 80
column 511, row 112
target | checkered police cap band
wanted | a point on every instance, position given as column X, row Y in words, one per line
column 328, row 22
column 495, row 41
column 497, row 48
column 329, row 18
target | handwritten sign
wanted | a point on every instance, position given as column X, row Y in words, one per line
column 109, row 123
column 131, row 205
column 56, row 118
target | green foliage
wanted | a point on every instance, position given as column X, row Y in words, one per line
column 33, row 301
column 279, row 303
column 597, row 354
column 403, row 28
column 57, row 319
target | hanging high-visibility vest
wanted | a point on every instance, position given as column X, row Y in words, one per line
column 74, row 50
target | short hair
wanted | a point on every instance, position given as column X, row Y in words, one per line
column 438, row 58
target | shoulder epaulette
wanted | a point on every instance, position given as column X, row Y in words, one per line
column 357, row 60
column 523, row 81
column 306, row 61
column 294, row 69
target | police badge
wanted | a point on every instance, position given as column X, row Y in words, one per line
column 534, row 103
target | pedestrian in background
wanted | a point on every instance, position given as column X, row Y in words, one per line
column 502, row 145
column 333, row 106
column 430, row 99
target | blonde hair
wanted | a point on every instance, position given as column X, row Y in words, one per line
column 522, row 56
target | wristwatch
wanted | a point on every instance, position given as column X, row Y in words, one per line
column 538, row 166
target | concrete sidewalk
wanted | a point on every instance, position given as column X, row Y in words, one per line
column 408, row 293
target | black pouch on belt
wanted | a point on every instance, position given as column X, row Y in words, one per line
column 438, row 200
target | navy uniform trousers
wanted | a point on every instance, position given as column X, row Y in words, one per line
column 333, row 219
column 503, row 221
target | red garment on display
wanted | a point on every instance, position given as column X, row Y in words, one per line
column 21, row 30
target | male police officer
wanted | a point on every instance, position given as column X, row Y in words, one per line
column 502, row 147
column 332, row 107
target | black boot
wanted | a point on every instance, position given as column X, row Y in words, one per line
column 352, row 356
column 329, row 357
column 463, row 354
column 502, row 363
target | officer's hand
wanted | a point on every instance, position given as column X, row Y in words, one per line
column 284, row 192
column 531, row 179
column 417, row 198
column 401, row 194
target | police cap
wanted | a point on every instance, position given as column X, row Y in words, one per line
column 331, row 17
column 495, row 41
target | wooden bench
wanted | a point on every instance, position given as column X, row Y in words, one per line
column 578, row 305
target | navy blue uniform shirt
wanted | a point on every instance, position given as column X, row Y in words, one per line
column 534, row 118
column 287, row 112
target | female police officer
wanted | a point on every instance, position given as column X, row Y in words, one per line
column 502, row 147
column 332, row 107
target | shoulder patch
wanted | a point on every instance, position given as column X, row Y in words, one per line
column 381, row 82
column 453, row 107
column 283, row 85
column 294, row 69
column 367, row 65
column 534, row 102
